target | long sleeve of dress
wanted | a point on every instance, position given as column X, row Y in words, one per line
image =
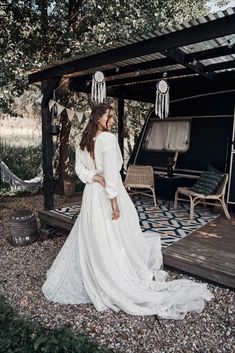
column 84, row 174
column 111, row 167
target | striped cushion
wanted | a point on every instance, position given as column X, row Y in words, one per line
column 208, row 182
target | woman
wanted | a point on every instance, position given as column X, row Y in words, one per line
column 107, row 260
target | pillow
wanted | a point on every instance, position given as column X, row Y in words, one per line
column 208, row 182
column 213, row 169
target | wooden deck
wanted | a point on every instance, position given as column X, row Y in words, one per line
column 209, row 252
column 48, row 218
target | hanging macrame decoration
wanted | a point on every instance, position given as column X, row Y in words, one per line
column 162, row 99
column 98, row 89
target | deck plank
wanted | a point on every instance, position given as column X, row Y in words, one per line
column 208, row 252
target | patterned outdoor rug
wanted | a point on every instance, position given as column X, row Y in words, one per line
column 172, row 224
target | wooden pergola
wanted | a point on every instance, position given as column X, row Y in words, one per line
column 198, row 57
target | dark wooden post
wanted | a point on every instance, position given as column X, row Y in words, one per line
column 121, row 125
column 47, row 144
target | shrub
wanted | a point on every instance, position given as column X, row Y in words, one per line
column 26, row 336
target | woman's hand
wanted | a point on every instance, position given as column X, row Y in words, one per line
column 99, row 179
column 115, row 208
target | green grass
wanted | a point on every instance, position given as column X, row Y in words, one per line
column 27, row 336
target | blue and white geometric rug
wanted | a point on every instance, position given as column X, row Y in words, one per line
column 172, row 225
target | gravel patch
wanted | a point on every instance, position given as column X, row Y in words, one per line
column 22, row 274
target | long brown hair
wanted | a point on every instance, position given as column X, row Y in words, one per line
column 90, row 130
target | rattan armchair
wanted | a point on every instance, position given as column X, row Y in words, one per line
column 140, row 177
column 217, row 199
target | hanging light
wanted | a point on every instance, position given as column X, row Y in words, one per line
column 55, row 128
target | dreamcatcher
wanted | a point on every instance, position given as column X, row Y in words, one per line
column 162, row 99
column 98, row 89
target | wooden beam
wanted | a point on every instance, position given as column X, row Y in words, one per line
column 226, row 76
column 180, row 57
column 202, row 32
column 47, row 144
column 147, row 77
column 173, row 73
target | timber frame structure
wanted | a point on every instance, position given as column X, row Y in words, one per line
column 198, row 57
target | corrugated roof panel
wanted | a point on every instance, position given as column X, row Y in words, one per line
column 229, row 11
column 158, row 33
column 219, row 14
column 194, row 22
column 165, row 30
column 161, row 69
column 182, row 76
column 211, row 17
column 144, row 36
column 149, row 57
column 186, row 24
column 151, row 35
column 224, row 40
column 202, row 19
column 208, row 44
column 225, row 70
column 218, row 60
column 171, row 29
column 178, row 27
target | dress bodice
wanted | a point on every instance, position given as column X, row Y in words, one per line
column 108, row 162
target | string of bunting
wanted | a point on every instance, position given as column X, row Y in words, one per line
column 70, row 112
column 60, row 108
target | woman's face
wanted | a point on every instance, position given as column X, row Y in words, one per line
column 107, row 120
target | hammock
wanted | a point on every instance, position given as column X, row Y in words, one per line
column 7, row 176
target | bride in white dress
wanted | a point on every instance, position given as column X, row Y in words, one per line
column 106, row 259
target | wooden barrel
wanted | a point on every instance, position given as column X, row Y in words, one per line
column 24, row 229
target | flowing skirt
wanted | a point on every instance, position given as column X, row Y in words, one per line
column 113, row 265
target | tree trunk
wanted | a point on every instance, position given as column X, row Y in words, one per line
column 62, row 171
column 44, row 27
column 73, row 13
column 47, row 144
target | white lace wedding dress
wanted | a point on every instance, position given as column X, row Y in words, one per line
column 111, row 263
